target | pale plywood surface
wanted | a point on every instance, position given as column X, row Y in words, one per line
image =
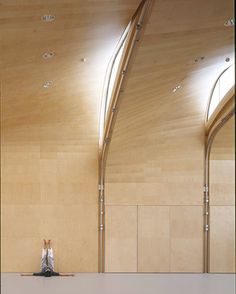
column 222, row 239
column 74, row 240
column 50, row 136
column 222, row 166
column 81, row 30
column 121, row 239
column 169, row 238
column 222, row 182
column 222, row 200
column 153, row 239
column 186, row 247
column 60, row 114
column 159, row 135
column 49, row 198
column 156, row 156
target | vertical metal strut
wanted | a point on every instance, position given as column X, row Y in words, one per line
column 130, row 37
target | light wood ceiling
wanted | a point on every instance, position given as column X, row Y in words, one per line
column 155, row 163
column 70, row 107
column 157, row 127
column 178, row 33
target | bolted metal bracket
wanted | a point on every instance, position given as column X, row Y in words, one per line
column 138, row 26
column 48, row 55
column 206, row 199
column 206, row 228
column 206, row 189
column 206, row 194
column 100, row 187
column 101, row 227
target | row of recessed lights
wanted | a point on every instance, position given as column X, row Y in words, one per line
column 229, row 22
column 50, row 54
column 50, row 18
column 227, row 59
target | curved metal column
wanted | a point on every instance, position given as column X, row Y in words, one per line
column 209, row 140
column 131, row 36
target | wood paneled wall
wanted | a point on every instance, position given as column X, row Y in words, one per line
column 154, row 175
column 49, row 191
column 222, row 200
column 155, row 164
column 50, row 136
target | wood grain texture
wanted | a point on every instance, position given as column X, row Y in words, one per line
column 170, row 239
column 222, row 200
column 50, row 136
column 186, row 247
column 153, row 239
column 156, row 156
column 222, row 239
column 121, row 239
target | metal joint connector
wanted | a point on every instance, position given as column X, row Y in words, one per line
column 100, row 187
column 138, row 26
column 206, row 189
column 101, row 227
column 206, row 199
column 206, row 228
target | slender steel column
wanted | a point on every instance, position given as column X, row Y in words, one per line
column 209, row 140
column 107, row 117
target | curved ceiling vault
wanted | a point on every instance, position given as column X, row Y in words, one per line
column 180, row 56
column 50, row 135
column 155, row 164
column 82, row 38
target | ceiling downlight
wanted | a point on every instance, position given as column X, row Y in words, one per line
column 229, row 23
column 176, row 88
column 48, row 17
column 48, row 55
column 47, row 84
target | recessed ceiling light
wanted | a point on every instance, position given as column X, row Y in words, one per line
column 176, row 88
column 47, row 55
column 227, row 59
column 199, row 58
column 48, row 17
column 229, row 22
column 47, row 84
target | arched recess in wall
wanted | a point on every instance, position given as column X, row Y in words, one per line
column 114, row 80
column 220, row 112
